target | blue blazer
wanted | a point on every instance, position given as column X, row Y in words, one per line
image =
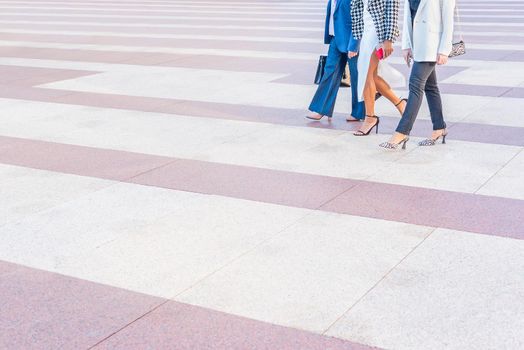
column 342, row 24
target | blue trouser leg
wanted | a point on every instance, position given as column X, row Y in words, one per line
column 324, row 100
column 358, row 110
column 434, row 102
column 422, row 79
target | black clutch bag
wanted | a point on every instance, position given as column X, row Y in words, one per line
column 346, row 78
column 320, row 69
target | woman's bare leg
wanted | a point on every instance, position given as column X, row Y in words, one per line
column 370, row 91
column 386, row 91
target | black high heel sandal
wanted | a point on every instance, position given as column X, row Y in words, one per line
column 362, row 133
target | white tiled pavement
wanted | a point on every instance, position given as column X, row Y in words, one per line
column 376, row 282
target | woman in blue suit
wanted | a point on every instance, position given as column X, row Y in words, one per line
column 337, row 34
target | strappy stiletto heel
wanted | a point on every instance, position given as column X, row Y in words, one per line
column 433, row 142
column 362, row 133
column 389, row 145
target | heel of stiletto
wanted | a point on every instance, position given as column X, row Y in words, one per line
column 405, row 142
column 444, row 138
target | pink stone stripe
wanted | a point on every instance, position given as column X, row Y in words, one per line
column 30, row 76
column 459, row 211
column 137, row 57
column 71, row 159
column 43, row 310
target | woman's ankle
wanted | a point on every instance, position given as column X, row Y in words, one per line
column 401, row 106
column 398, row 136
